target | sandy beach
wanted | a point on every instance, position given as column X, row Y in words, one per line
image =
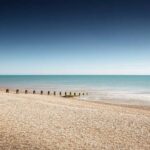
column 43, row 122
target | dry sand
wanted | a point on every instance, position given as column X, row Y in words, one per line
column 47, row 122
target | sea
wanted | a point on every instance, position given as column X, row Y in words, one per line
column 125, row 89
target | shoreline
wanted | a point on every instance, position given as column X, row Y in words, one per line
column 143, row 106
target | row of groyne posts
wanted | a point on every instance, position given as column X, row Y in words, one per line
column 66, row 94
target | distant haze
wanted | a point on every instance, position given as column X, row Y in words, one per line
column 75, row 37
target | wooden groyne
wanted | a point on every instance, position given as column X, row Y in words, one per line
column 26, row 91
column 41, row 92
column 7, row 90
column 34, row 92
column 55, row 93
column 17, row 91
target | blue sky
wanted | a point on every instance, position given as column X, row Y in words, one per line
column 88, row 37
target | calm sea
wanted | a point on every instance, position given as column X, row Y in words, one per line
column 99, row 87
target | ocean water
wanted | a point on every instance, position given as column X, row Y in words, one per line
column 120, row 88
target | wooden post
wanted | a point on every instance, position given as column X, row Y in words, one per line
column 70, row 93
column 34, row 92
column 7, row 90
column 79, row 94
column 48, row 92
column 54, row 92
column 83, row 94
column 60, row 93
column 74, row 94
column 17, row 91
column 65, row 93
column 41, row 92
column 26, row 91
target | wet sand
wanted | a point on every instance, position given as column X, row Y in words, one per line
column 47, row 122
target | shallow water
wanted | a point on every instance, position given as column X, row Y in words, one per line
column 99, row 87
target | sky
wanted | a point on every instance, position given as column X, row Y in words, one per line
column 75, row 37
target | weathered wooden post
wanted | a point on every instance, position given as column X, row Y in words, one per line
column 17, row 91
column 83, row 94
column 65, row 93
column 60, row 93
column 41, row 92
column 48, row 92
column 79, row 94
column 26, row 91
column 54, row 92
column 7, row 90
column 74, row 94
column 34, row 92
column 70, row 93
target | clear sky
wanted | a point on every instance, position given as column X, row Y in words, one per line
column 75, row 37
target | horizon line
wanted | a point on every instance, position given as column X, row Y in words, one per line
column 74, row 74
